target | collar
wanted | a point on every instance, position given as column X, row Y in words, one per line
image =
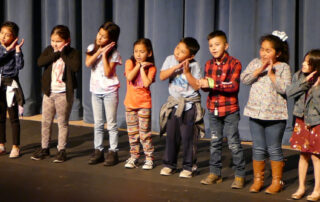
column 224, row 58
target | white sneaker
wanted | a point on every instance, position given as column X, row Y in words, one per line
column 15, row 153
column 148, row 165
column 185, row 174
column 166, row 171
column 131, row 163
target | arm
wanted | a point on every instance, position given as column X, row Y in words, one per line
column 316, row 94
column 298, row 86
column 191, row 80
column 131, row 73
column 147, row 79
column 19, row 56
column 165, row 74
column 71, row 58
column 48, row 57
column 9, row 50
column 251, row 73
column 109, row 67
column 282, row 80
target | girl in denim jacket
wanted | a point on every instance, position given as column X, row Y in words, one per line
column 305, row 89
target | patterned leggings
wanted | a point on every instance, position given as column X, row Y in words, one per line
column 139, row 127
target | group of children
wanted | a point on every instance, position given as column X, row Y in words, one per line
column 181, row 117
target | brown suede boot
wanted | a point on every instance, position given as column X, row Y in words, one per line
column 258, row 173
column 277, row 183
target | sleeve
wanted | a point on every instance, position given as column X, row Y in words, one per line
column 233, row 85
column 71, row 58
column 246, row 77
column 298, row 86
column 19, row 60
column 166, row 64
column 116, row 58
column 283, row 79
column 316, row 97
column 196, row 70
column 5, row 54
column 205, row 74
column 128, row 67
column 48, row 57
column 90, row 48
column 152, row 73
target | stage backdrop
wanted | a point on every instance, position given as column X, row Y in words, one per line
column 165, row 22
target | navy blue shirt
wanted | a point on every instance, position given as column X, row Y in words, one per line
column 10, row 62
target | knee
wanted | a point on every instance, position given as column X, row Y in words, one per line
column 235, row 148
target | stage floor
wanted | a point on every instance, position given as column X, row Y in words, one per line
column 74, row 180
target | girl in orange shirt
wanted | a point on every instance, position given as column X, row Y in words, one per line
column 140, row 73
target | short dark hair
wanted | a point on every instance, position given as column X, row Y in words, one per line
column 192, row 44
column 278, row 45
column 62, row 31
column 12, row 26
column 216, row 34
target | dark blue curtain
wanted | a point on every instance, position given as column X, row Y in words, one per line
column 165, row 22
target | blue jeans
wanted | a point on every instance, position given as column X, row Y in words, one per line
column 229, row 125
column 267, row 139
column 105, row 109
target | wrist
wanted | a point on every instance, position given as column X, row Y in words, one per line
column 210, row 82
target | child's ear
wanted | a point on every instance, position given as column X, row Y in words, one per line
column 278, row 55
column 150, row 54
column 226, row 46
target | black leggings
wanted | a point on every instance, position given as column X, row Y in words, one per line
column 14, row 119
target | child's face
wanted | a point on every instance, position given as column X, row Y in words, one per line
column 267, row 52
column 217, row 46
column 140, row 53
column 57, row 42
column 181, row 52
column 102, row 37
column 6, row 36
column 306, row 68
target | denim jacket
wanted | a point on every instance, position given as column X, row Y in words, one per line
column 307, row 108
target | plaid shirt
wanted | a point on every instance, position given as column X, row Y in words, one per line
column 226, row 76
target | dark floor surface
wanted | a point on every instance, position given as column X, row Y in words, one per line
column 74, row 180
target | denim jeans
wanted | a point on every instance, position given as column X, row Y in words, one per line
column 229, row 126
column 105, row 109
column 267, row 139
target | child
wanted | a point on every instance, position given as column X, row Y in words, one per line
column 140, row 72
column 103, row 57
column 266, row 108
column 61, row 62
column 182, row 112
column 305, row 90
column 11, row 95
column 222, row 74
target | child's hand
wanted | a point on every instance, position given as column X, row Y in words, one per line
column 310, row 78
column 203, row 83
column 145, row 64
column 317, row 83
column 65, row 45
column 270, row 68
column 186, row 68
column 18, row 46
column 105, row 50
column 12, row 45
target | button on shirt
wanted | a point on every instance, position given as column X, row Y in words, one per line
column 10, row 62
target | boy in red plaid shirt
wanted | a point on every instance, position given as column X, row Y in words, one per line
column 222, row 78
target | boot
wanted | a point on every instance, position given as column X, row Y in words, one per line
column 277, row 183
column 112, row 158
column 258, row 173
column 96, row 157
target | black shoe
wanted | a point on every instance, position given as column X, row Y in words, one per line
column 96, row 157
column 40, row 154
column 112, row 158
column 61, row 156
